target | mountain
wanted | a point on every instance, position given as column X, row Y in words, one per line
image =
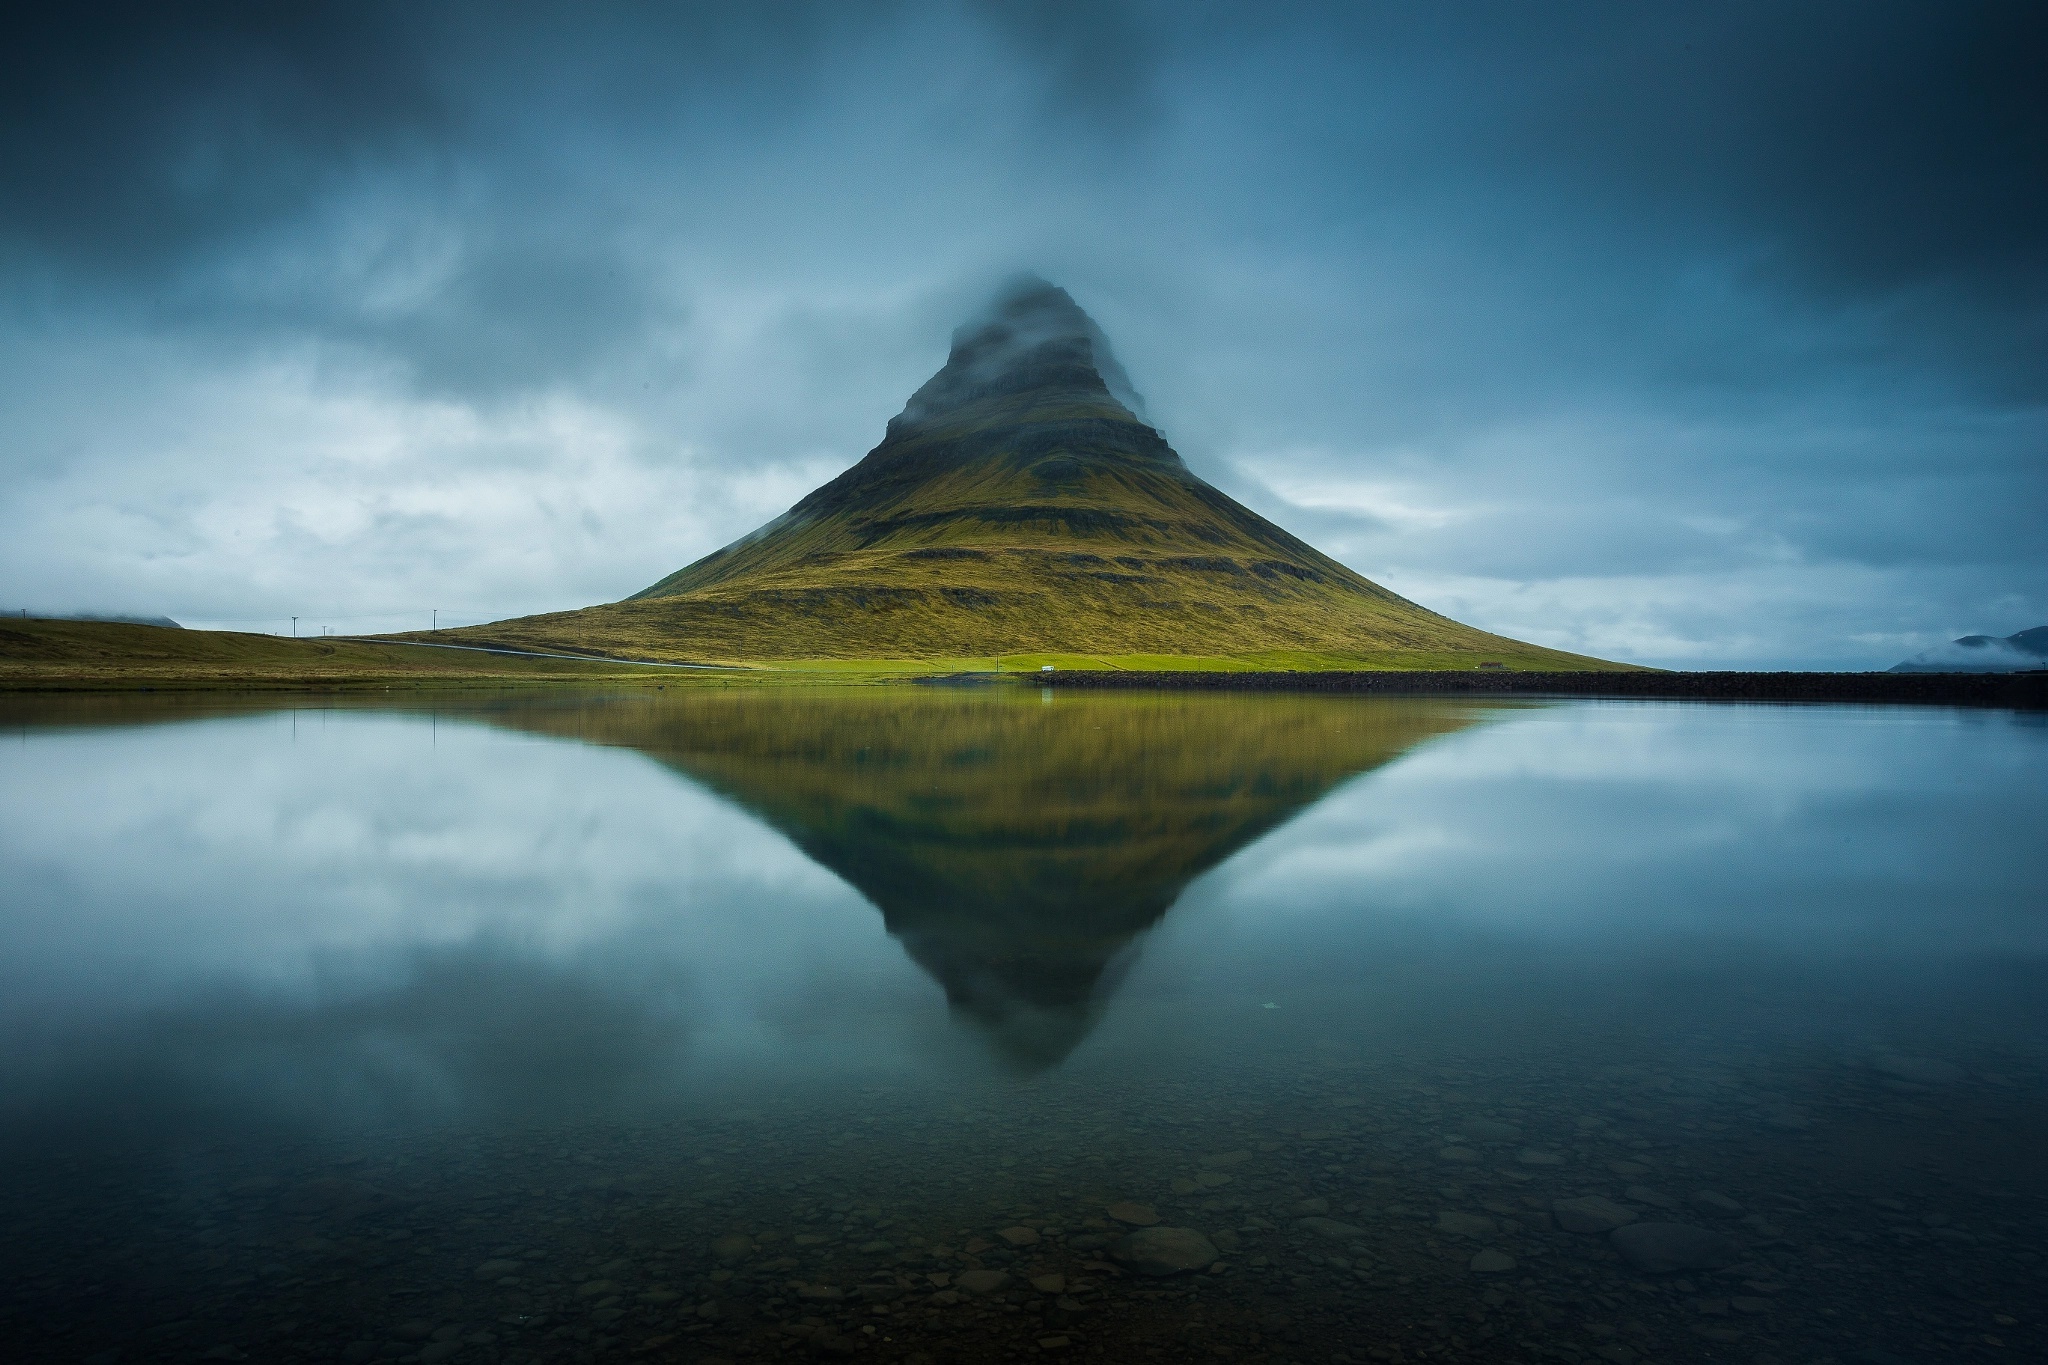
column 116, row 618
column 1983, row 654
column 1020, row 506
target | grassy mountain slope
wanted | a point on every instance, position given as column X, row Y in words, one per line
column 1018, row 508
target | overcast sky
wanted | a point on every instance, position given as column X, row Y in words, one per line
column 1698, row 335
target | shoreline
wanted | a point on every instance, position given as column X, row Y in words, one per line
column 70, row 656
column 2012, row 691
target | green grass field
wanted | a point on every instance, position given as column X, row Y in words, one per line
column 87, row 655
column 39, row 655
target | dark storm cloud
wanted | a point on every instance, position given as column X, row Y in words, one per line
column 1878, row 144
column 1875, row 146
column 1499, row 295
column 164, row 153
column 1882, row 146
column 135, row 133
column 1855, row 157
column 131, row 134
column 1857, row 153
column 1097, row 60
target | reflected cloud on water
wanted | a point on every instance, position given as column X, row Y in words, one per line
column 356, row 940
column 1017, row 851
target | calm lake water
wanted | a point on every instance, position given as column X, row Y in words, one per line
column 926, row 1025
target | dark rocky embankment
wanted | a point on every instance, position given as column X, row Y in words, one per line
column 2017, row 691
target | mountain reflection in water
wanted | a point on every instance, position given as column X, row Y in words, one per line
column 1016, row 849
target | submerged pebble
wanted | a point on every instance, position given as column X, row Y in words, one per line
column 1662, row 1248
column 1165, row 1251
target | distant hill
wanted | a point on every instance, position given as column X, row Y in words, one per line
column 45, row 654
column 116, row 618
column 1018, row 509
column 1983, row 654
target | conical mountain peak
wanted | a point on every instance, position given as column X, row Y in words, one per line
column 1020, row 505
column 1032, row 339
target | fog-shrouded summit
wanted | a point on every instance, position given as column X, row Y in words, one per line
column 1021, row 505
column 1033, row 336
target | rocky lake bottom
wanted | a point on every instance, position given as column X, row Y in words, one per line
column 1432, row 1205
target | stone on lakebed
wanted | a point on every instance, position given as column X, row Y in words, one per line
column 1330, row 1228
column 1165, row 1251
column 1591, row 1214
column 981, row 1281
column 1661, row 1248
column 1472, row 1225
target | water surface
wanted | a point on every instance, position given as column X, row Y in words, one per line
column 705, row 1025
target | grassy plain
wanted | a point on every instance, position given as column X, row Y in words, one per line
column 40, row 655
column 88, row 655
